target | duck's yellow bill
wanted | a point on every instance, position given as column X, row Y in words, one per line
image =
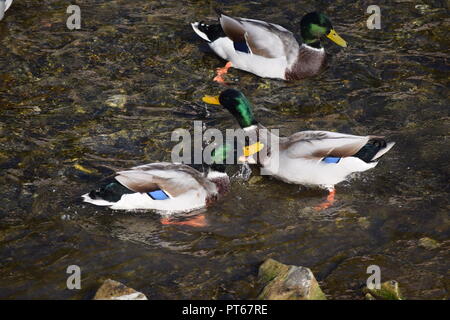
column 333, row 36
column 83, row 169
column 211, row 99
column 252, row 149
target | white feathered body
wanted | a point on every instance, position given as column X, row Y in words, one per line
column 300, row 156
column 141, row 201
column 186, row 188
column 273, row 49
column 261, row 66
column 314, row 172
column 6, row 3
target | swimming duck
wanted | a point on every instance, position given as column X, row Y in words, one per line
column 165, row 187
column 269, row 50
column 4, row 5
column 311, row 158
column 160, row 186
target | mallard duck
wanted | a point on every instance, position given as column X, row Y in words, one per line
column 311, row 158
column 160, row 186
column 4, row 5
column 269, row 50
column 165, row 187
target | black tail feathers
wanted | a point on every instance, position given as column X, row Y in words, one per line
column 371, row 149
column 111, row 191
column 213, row 32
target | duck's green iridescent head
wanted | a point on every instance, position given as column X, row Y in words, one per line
column 219, row 157
column 315, row 26
column 221, row 153
column 238, row 105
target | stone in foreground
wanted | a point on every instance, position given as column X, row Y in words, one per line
column 283, row 282
column 389, row 290
column 114, row 290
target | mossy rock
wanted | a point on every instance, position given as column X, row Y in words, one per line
column 389, row 290
column 270, row 269
column 283, row 282
column 114, row 290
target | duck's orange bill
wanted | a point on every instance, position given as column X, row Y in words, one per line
column 252, row 149
column 211, row 99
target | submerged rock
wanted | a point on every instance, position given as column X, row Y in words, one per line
column 255, row 180
column 117, row 101
column 283, row 282
column 389, row 290
column 114, row 290
column 428, row 243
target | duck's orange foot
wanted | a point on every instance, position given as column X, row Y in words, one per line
column 222, row 71
column 329, row 202
column 196, row 222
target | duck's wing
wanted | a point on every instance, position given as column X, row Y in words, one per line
column 174, row 179
column 261, row 38
column 321, row 144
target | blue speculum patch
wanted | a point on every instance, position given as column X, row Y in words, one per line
column 158, row 195
column 241, row 46
column 331, row 160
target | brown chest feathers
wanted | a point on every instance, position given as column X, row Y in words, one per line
column 310, row 62
column 223, row 187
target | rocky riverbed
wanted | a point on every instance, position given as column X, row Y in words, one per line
column 77, row 105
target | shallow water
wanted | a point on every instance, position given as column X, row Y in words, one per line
column 109, row 95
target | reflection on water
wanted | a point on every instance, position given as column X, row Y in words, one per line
column 108, row 97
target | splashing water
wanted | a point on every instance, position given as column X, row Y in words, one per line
column 244, row 173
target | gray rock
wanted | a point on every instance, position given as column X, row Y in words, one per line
column 283, row 282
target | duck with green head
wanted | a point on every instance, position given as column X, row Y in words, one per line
column 165, row 187
column 311, row 158
column 269, row 50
